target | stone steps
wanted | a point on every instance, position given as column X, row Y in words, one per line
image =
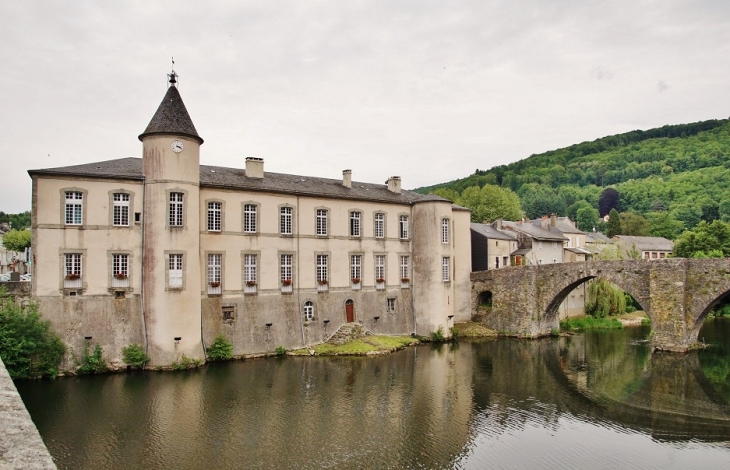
column 348, row 332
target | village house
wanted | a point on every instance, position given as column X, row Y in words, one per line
column 169, row 253
column 644, row 247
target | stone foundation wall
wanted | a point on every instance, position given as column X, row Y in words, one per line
column 250, row 334
column 110, row 322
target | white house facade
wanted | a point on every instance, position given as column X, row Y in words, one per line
column 168, row 253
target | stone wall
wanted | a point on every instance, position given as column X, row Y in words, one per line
column 110, row 322
column 20, row 444
column 250, row 334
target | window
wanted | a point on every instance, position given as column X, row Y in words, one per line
column 120, row 270
column 176, row 209
column 322, row 272
column 321, row 222
column 379, row 225
column 356, row 269
column 74, row 206
column 445, row 268
column 444, row 230
column 390, row 306
column 380, row 268
column 175, row 271
column 249, row 218
column 285, row 220
column 405, row 280
column 214, row 274
column 555, row 246
column 229, row 313
column 539, row 244
column 72, row 271
column 403, row 227
column 285, row 272
column 214, row 216
column 308, row 310
column 120, row 209
column 354, row 224
column 249, row 274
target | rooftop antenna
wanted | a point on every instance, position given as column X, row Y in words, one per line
column 172, row 76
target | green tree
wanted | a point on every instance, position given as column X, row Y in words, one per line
column 490, row 203
column 587, row 218
column 724, row 210
column 16, row 240
column 614, row 224
column 28, row 346
column 634, row 224
column 447, row 193
column 572, row 210
column 663, row 224
column 705, row 240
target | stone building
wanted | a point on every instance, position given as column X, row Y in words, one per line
column 169, row 253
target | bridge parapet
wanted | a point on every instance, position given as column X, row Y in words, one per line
column 676, row 294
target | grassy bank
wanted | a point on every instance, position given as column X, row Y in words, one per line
column 590, row 323
column 369, row 345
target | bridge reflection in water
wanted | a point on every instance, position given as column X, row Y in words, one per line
column 502, row 403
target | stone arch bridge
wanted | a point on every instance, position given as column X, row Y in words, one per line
column 676, row 294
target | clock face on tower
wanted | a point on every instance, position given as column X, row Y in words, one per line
column 177, row 146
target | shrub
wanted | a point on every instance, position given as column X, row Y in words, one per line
column 91, row 362
column 438, row 335
column 455, row 332
column 28, row 346
column 186, row 363
column 221, row 349
column 135, row 355
column 280, row 351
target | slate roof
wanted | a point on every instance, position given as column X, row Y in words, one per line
column 235, row 178
column 535, row 232
column 597, row 237
column 646, row 243
column 579, row 251
column 171, row 117
column 490, row 232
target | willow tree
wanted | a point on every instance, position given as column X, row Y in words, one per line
column 605, row 299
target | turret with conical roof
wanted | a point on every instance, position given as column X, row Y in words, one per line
column 171, row 265
column 172, row 116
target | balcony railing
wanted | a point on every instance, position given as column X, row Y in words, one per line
column 73, row 283
column 120, row 282
column 249, row 288
column 380, row 285
column 215, row 288
column 288, row 289
column 322, row 287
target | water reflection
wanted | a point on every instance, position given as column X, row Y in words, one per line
column 499, row 403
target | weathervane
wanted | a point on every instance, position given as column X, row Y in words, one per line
column 172, row 76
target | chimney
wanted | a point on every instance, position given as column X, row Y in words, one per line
column 553, row 219
column 347, row 178
column 499, row 223
column 394, row 184
column 254, row 167
column 544, row 222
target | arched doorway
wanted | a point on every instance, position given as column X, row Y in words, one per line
column 350, row 310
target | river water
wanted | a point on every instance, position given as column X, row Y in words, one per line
column 595, row 400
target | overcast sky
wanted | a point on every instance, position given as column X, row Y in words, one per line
column 427, row 90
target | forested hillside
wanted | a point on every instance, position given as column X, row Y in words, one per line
column 668, row 180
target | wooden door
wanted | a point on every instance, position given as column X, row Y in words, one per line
column 350, row 311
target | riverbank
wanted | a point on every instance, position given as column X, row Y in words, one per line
column 366, row 346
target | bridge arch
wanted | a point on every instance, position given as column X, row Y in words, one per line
column 551, row 312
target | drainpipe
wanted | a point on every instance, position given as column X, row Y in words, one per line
column 299, row 279
column 144, row 217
